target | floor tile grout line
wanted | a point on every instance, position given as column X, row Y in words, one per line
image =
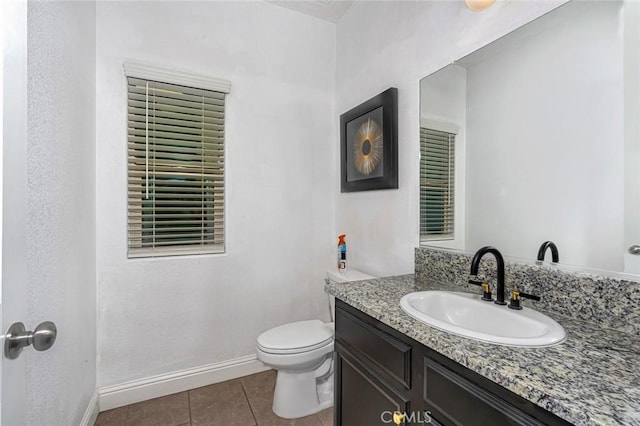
column 244, row 392
column 189, row 405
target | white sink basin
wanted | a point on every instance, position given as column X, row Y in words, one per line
column 466, row 315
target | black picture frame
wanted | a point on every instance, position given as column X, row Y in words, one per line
column 369, row 144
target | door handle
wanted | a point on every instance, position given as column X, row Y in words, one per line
column 634, row 249
column 17, row 338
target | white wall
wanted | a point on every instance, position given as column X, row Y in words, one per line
column 162, row 315
column 631, row 36
column 443, row 106
column 401, row 43
column 61, row 281
column 545, row 140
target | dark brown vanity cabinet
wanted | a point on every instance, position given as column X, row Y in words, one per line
column 379, row 372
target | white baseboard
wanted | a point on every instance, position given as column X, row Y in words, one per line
column 91, row 413
column 115, row 396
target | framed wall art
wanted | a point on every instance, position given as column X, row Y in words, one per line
column 369, row 144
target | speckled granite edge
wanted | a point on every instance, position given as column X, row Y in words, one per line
column 592, row 378
column 606, row 301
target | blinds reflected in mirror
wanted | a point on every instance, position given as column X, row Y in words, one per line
column 437, row 186
column 175, row 169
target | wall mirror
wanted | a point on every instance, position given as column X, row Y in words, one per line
column 536, row 137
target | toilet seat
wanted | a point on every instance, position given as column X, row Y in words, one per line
column 296, row 337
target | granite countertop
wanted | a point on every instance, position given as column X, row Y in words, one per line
column 592, row 378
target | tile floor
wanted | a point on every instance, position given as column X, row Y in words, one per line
column 241, row 402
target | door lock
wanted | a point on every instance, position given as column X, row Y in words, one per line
column 17, row 338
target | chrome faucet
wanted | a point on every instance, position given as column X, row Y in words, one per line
column 555, row 258
column 475, row 263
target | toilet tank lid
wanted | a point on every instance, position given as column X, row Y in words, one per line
column 348, row 275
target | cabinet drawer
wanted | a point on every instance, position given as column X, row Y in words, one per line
column 455, row 400
column 384, row 352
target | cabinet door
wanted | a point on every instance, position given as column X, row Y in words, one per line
column 361, row 397
column 454, row 400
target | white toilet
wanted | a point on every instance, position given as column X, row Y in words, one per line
column 302, row 352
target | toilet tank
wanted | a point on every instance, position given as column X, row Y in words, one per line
column 343, row 277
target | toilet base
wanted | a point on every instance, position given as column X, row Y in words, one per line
column 297, row 394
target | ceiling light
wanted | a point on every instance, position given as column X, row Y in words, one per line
column 478, row 5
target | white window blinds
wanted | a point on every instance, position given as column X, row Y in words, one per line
column 437, row 195
column 175, row 169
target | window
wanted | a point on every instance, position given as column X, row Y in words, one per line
column 175, row 164
column 437, row 172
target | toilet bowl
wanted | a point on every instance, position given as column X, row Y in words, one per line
column 302, row 354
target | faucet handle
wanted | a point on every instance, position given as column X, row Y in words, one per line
column 529, row 296
column 486, row 289
column 514, row 302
